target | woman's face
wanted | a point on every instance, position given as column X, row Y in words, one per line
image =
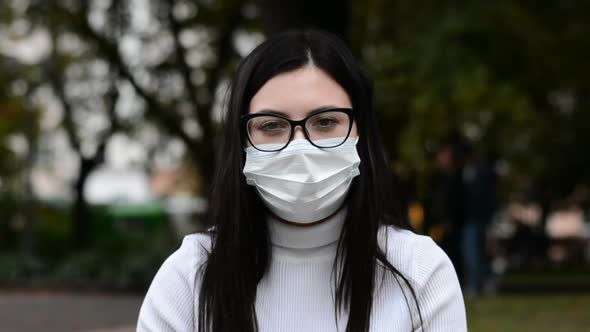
column 298, row 93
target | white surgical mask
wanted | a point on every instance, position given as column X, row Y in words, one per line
column 303, row 183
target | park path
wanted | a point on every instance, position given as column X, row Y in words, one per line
column 67, row 312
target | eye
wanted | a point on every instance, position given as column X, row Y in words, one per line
column 325, row 123
column 271, row 125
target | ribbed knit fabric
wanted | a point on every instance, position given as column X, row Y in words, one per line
column 297, row 293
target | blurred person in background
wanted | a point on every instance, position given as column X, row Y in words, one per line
column 304, row 236
column 479, row 203
column 448, row 202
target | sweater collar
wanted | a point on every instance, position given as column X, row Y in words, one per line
column 306, row 237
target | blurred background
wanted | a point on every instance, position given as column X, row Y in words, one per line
column 109, row 125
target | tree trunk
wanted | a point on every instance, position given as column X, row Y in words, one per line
column 81, row 211
column 28, row 241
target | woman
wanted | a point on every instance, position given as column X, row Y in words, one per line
column 305, row 238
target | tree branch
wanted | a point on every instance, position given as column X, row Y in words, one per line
column 115, row 125
column 223, row 54
column 57, row 83
column 185, row 69
column 224, row 46
column 171, row 121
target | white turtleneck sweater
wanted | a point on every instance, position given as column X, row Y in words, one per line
column 297, row 294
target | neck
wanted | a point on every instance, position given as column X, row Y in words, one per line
column 297, row 236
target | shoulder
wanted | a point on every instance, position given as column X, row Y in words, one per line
column 191, row 253
column 170, row 300
column 414, row 255
column 184, row 262
column 431, row 274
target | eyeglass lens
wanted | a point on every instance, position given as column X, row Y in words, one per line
column 326, row 129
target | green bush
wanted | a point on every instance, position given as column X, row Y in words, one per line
column 123, row 262
column 19, row 270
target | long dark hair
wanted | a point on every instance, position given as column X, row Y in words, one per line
column 240, row 251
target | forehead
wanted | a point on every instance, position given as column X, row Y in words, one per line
column 297, row 93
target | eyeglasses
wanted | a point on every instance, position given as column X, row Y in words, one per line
column 271, row 132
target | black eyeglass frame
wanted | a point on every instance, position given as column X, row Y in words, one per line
column 294, row 123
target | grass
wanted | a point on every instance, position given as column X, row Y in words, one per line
column 538, row 313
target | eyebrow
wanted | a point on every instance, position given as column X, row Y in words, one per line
column 318, row 109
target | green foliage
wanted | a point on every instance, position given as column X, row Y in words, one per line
column 12, row 120
column 16, row 269
column 53, row 230
column 118, row 258
column 509, row 75
column 126, row 262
